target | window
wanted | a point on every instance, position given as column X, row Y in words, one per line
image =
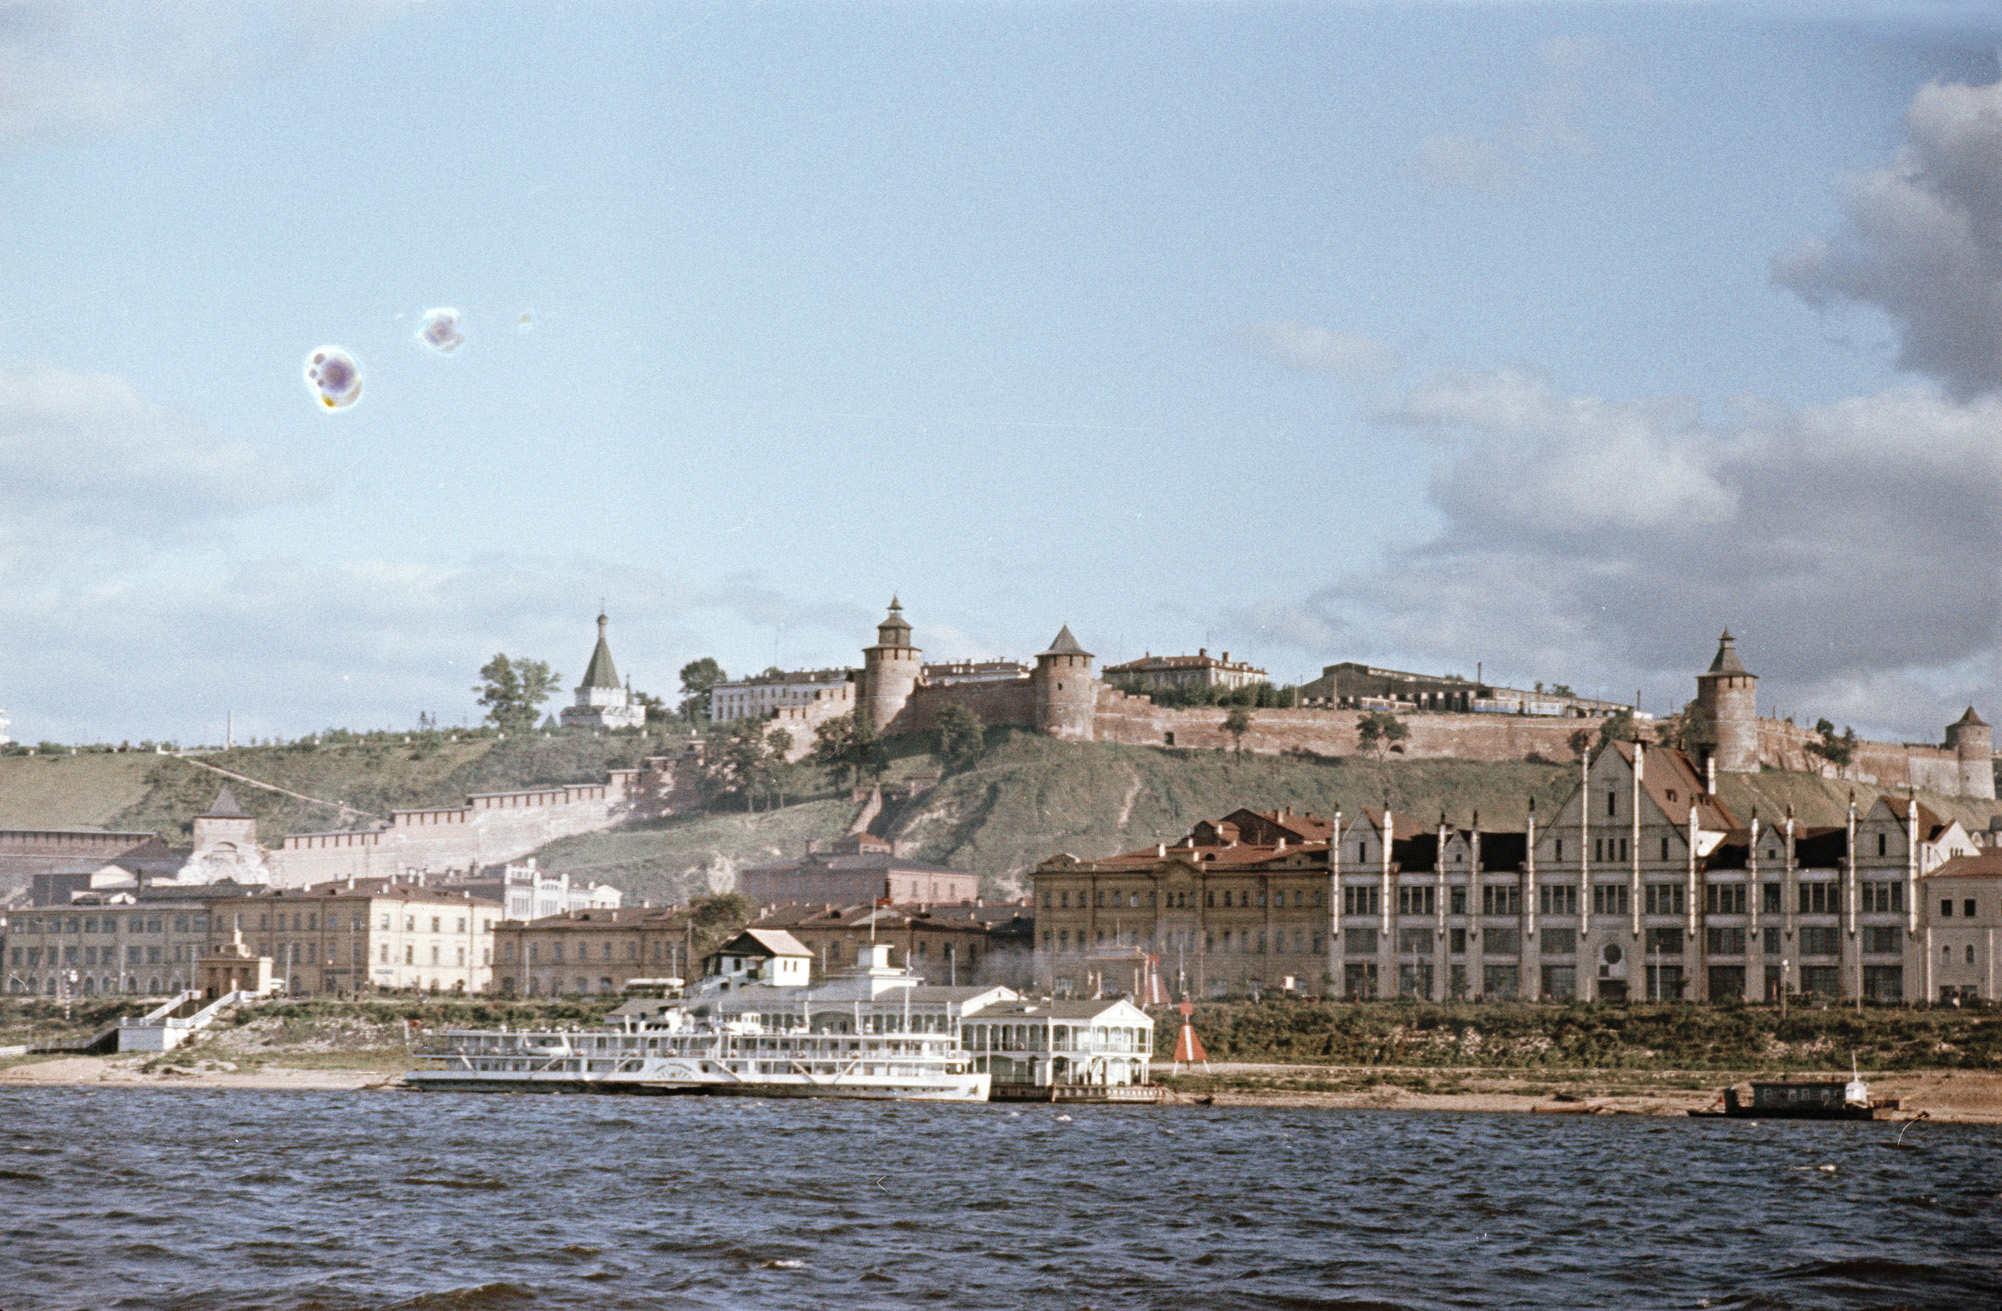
column 1665, row 898
column 1417, row 901
column 1320, row 896
column 264, row 921
column 1609, row 899
column 1361, row 901
column 1612, row 803
column 1772, row 946
column 1967, row 908
column 1818, row 942
column 1881, row 940
column 435, row 922
column 1598, row 849
column 1664, row 842
column 1362, row 851
column 1456, row 942
column 1414, row 942
column 1209, row 899
column 1946, row 908
column 1881, row 842
column 1817, row 898
column 1560, row 942
column 385, row 953
column 1770, row 899
column 410, row 924
column 1456, row 899
column 1664, row 942
column 1558, row 846
column 1261, row 901
column 462, row 925
column 410, row 955
column 385, row 923
column 1970, row 953
column 1558, row 899
column 1724, row 899
column 1505, row 941
column 1724, row 942
column 1226, row 899
column 1879, row 897
column 1501, row 899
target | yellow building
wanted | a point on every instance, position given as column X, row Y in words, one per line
column 362, row 934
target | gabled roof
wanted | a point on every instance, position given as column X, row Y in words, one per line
column 225, row 807
column 1674, row 785
column 1986, row 864
column 600, row 673
column 765, row 942
column 1064, row 644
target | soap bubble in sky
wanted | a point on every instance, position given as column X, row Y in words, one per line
column 334, row 377
column 440, row 331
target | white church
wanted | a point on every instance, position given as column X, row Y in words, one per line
column 602, row 701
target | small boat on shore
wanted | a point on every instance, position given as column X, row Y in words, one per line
column 1808, row 1099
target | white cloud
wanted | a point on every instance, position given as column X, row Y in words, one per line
column 1603, row 543
column 73, row 69
column 1924, row 240
column 1319, row 350
column 91, row 473
column 1587, row 83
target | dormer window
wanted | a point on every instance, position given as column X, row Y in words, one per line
column 1671, row 794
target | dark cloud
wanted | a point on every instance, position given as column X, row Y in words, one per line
column 1924, row 240
column 1605, row 544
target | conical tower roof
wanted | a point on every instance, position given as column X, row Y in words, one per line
column 895, row 619
column 225, row 806
column 1727, row 661
column 1065, row 644
column 1970, row 720
column 600, row 672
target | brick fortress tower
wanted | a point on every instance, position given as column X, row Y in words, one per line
column 1064, row 692
column 1973, row 745
column 1727, row 707
column 890, row 670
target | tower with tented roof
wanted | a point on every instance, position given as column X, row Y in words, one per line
column 1065, row 693
column 602, row 701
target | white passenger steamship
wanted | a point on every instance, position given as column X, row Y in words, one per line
column 873, row 1032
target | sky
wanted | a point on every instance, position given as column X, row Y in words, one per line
column 1543, row 340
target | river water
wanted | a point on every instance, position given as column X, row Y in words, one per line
column 144, row 1198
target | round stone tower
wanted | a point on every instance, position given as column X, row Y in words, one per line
column 890, row 670
column 1066, row 694
column 1973, row 744
column 1727, row 704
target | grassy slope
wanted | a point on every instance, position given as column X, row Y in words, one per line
column 71, row 791
column 163, row 794
column 1033, row 797
column 675, row 859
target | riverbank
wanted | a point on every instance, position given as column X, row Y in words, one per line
column 1944, row 1096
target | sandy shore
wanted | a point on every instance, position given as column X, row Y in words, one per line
column 99, row 1071
column 1946, row 1096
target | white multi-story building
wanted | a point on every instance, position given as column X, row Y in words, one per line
column 768, row 694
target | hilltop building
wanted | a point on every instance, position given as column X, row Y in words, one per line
column 1353, row 686
column 858, row 868
column 1152, row 673
column 602, row 702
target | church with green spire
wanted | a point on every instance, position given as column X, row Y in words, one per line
column 602, row 701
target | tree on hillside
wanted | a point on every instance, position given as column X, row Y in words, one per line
column 511, row 690
column 848, row 742
column 719, row 917
column 961, row 738
column 750, row 762
column 1581, row 742
column 1838, row 751
column 1379, row 729
column 697, row 677
column 1237, row 723
column 1619, row 727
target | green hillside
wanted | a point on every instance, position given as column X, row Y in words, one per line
column 374, row 774
column 1030, row 797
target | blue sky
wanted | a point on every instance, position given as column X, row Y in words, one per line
column 1554, row 338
